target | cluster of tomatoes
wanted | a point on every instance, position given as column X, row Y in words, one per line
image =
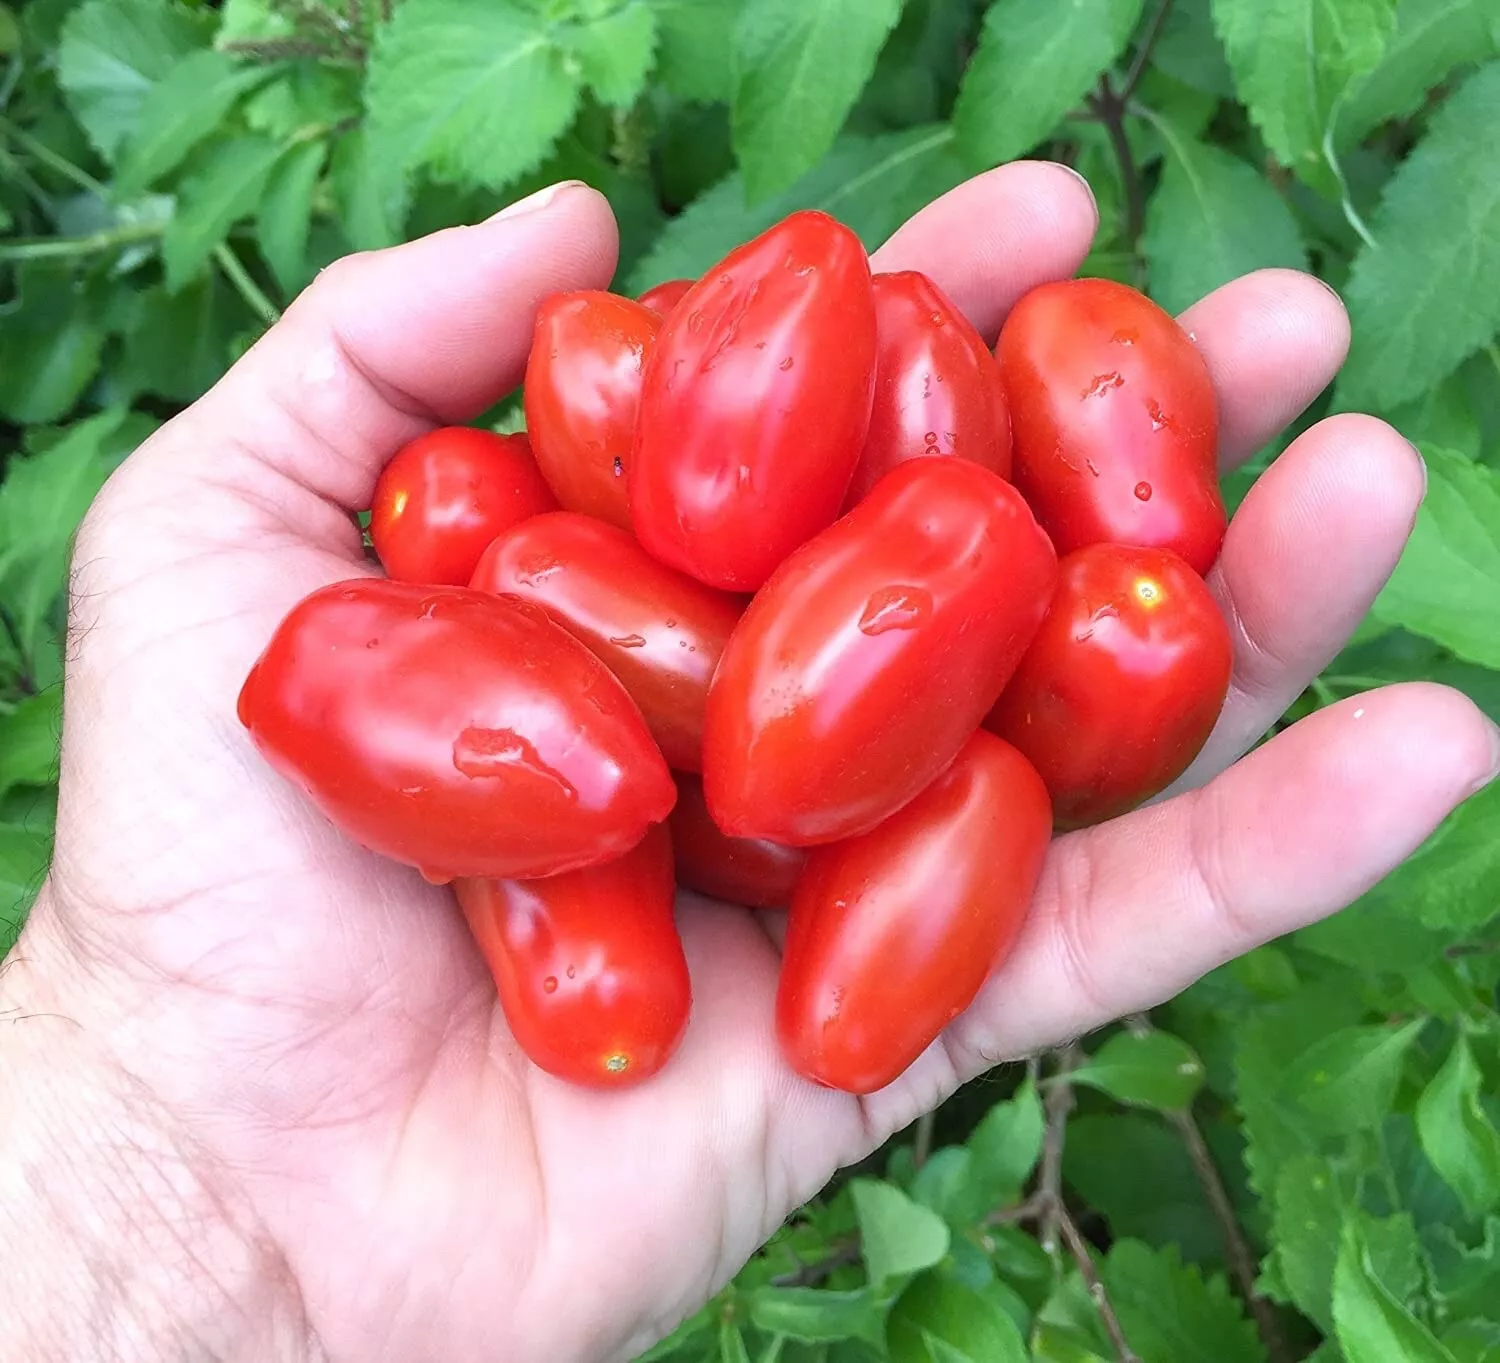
column 768, row 603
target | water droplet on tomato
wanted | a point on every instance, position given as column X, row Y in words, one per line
column 619, row 467
column 629, row 641
column 1103, row 383
column 549, row 985
column 785, row 364
column 479, row 753
column 348, row 594
column 534, row 569
column 1158, row 417
column 930, row 437
column 372, row 643
column 572, row 971
column 895, row 608
column 1143, row 492
column 670, row 624
column 1092, row 467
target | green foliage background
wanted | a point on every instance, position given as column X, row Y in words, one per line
column 1297, row 1158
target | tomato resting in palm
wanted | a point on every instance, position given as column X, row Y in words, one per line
column 454, row 731
column 583, row 388
column 937, row 387
column 1122, row 684
column 748, row 871
column 1113, row 421
column 866, row 662
column 755, row 405
column 659, row 631
column 588, row 965
column 447, row 495
column 666, row 295
column 893, row 933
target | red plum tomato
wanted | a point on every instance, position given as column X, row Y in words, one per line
column 666, row 295
column 748, row 871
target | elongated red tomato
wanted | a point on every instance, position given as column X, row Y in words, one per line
column 864, row 664
column 666, row 295
column 447, row 495
column 455, row 731
column 755, row 405
column 892, row 933
column 1122, row 684
column 588, row 965
column 659, row 631
column 583, row 389
column 937, row 387
column 1114, row 423
column 748, row 871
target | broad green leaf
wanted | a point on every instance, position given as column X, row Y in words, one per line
column 28, row 741
column 306, row 100
column 285, row 215
column 1293, row 61
column 695, row 47
column 1189, row 50
column 1006, row 1146
column 1444, row 416
column 24, row 854
column 732, row 1344
column 113, row 51
column 1449, row 882
column 799, row 68
column 946, row 1184
column 251, row 21
column 1465, row 1279
column 939, row 1320
column 897, row 1235
column 178, row 344
column 1308, row 1209
column 1473, row 1341
column 372, row 196
column 1170, row 1311
column 870, row 184
column 1457, row 1134
column 1371, row 1324
column 1150, row 1069
column 50, row 342
column 614, row 52
column 1036, row 59
column 1345, row 1082
column 477, row 91
column 1213, row 218
column 697, row 1330
column 1421, row 299
column 818, row 1314
column 1447, row 584
column 226, row 187
column 186, row 106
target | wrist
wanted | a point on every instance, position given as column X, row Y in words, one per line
column 120, row 1238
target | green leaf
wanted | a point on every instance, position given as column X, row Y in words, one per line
column 1457, row 1134
column 870, row 184
column 1189, row 50
column 695, row 47
column 1447, row 584
column 1036, row 59
column 1465, row 1280
column 614, row 52
column 946, row 1184
column 1150, row 1069
column 28, row 741
column 1473, row 1341
column 227, row 187
column 1371, row 1324
column 799, row 68
column 939, row 1320
column 1006, row 1146
column 372, row 196
column 285, row 216
column 732, row 1344
column 1169, row 1311
column 50, row 344
column 897, row 1235
column 1309, row 1207
column 1213, row 218
column 185, row 107
column 818, row 1314
column 251, row 21
column 1347, row 1081
column 304, row 101
column 112, row 52
column 178, row 344
column 478, row 91
column 1293, row 61
column 1421, row 299
column 24, row 854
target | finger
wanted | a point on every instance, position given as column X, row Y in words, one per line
column 992, row 238
column 1349, row 486
column 1133, row 911
column 1273, row 340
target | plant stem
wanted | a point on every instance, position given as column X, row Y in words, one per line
column 1056, row 1107
column 1109, row 109
column 249, row 290
column 1143, row 52
column 923, row 1143
column 45, row 248
column 51, row 159
column 810, row 1275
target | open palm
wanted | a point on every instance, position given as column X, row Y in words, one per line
column 316, row 1020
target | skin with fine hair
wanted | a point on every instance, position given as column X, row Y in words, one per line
column 259, row 1098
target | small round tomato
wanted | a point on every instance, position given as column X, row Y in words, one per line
column 447, row 495
column 755, row 405
column 659, row 631
column 583, row 389
column 1113, row 419
column 1122, row 684
column 588, row 965
column 455, row 731
column 893, row 933
column 937, row 387
column 866, row 662
column 748, row 871
column 666, row 295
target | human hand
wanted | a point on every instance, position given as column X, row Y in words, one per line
column 301, row 1039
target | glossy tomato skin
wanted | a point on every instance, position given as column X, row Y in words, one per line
column 588, row 965
column 583, row 390
column 1114, row 422
column 666, row 295
column 864, row 664
column 454, row 731
column 756, row 404
column 448, row 494
column 748, row 871
column 1122, row 684
column 937, row 387
column 893, row 933
column 659, row 631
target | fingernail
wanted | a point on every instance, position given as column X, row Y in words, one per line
column 1416, row 451
column 1328, row 288
column 1087, row 188
column 533, row 203
column 1494, row 770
